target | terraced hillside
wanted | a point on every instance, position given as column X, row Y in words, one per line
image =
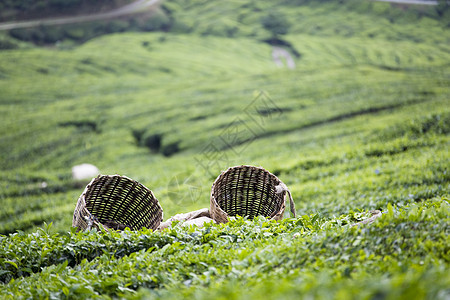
column 361, row 123
column 18, row 9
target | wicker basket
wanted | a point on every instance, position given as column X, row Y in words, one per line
column 248, row 191
column 117, row 202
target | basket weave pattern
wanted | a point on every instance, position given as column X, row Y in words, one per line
column 117, row 201
column 247, row 191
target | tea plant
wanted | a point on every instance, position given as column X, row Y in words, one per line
column 361, row 124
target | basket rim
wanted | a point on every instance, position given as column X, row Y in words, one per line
column 127, row 178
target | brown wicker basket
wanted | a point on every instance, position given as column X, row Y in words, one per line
column 248, row 191
column 117, row 202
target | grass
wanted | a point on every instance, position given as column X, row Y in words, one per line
column 362, row 123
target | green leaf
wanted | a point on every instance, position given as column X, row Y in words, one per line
column 11, row 263
column 390, row 211
column 65, row 290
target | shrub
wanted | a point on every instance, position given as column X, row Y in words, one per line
column 7, row 45
column 276, row 23
column 158, row 21
column 152, row 141
column 171, row 149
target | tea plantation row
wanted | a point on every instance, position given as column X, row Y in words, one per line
column 402, row 255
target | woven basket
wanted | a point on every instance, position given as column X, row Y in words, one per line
column 117, row 202
column 248, row 191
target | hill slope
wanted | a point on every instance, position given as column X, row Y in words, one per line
column 19, row 10
column 361, row 123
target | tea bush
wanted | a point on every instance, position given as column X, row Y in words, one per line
column 360, row 124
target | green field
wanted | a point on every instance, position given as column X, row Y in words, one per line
column 361, row 123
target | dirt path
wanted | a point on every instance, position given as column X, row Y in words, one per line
column 125, row 10
column 278, row 54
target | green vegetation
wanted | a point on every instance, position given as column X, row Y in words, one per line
column 402, row 256
column 251, row 19
column 275, row 23
column 361, row 123
column 23, row 9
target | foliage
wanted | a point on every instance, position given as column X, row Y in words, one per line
column 152, row 141
column 11, row 9
column 248, row 19
column 361, row 123
column 276, row 23
column 159, row 21
column 180, row 262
